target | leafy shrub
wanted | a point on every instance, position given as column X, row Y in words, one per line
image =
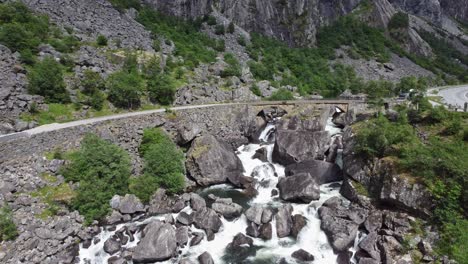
column 380, row 137
column 121, row 5
column 164, row 165
column 46, row 79
column 125, row 89
column 255, row 90
column 8, row 229
column 195, row 47
column 92, row 82
column 220, row 45
column 454, row 240
column 161, row 89
column 281, row 95
column 220, row 30
column 102, row 170
column 20, row 29
column 438, row 114
column 234, row 68
column 210, row 20
column 101, row 40
column 231, row 28
column 241, row 40
column 399, row 20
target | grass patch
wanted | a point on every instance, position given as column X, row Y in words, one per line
column 360, row 189
column 54, row 197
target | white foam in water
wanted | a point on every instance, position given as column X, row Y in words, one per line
column 311, row 238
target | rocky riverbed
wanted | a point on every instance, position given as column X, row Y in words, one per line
column 291, row 194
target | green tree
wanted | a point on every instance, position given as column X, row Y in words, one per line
column 281, row 95
column 231, row 28
column 161, row 89
column 220, row 30
column 46, row 79
column 125, row 89
column 101, row 40
column 164, row 165
column 102, row 170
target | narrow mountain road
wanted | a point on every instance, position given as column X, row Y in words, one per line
column 58, row 126
column 457, row 95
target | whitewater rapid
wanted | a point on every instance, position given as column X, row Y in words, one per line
column 311, row 238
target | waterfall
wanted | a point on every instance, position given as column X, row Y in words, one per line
column 311, row 238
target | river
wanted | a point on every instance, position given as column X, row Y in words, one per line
column 311, row 238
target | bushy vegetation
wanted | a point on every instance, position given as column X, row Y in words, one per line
column 448, row 59
column 23, row 31
column 8, row 229
column 46, row 79
column 281, row 95
column 398, row 26
column 102, row 170
column 125, row 88
column 308, row 68
column 440, row 162
column 101, row 40
column 195, row 47
column 234, row 68
column 121, row 5
column 399, row 20
column 164, row 165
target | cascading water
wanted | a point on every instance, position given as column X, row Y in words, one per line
column 311, row 238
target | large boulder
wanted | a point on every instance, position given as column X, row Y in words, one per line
column 205, row 258
column 284, row 221
column 299, row 188
column 161, row 203
column 296, row 146
column 254, row 214
column 226, row 208
column 302, row 255
column 322, row 171
column 211, row 162
column 157, row 244
column 129, row 204
column 339, row 223
column 207, row 219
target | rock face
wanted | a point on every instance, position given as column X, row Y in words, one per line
column 321, row 171
column 284, row 221
column 14, row 99
column 211, row 162
column 157, row 244
column 299, row 187
column 383, row 182
column 339, row 223
column 273, row 18
column 296, row 146
column 160, row 203
column 228, row 209
column 207, row 219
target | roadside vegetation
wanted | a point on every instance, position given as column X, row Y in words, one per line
column 163, row 165
column 98, row 170
column 102, row 170
column 439, row 160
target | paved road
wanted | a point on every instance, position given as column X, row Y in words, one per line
column 57, row 126
column 456, row 95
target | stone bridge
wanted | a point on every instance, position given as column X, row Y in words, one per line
column 233, row 123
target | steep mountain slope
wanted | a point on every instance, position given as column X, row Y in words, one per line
column 226, row 50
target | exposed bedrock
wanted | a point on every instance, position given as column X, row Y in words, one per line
column 212, row 162
column 382, row 182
